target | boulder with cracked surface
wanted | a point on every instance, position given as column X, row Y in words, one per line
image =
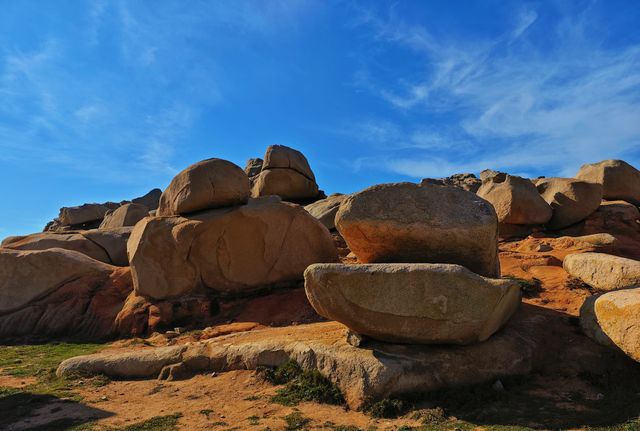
column 231, row 250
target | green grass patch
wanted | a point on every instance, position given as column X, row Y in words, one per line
column 296, row 421
column 301, row 385
column 388, row 408
column 157, row 423
column 34, row 360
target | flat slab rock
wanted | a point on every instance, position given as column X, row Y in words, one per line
column 369, row 372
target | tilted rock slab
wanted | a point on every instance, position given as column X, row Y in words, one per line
column 228, row 250
column 407, row 222
column 603, row 271
column 375, row 371
column 515, row 199
column 211, row 183
column 613, row 319
column 412, row 303
column 105, row 245
column 82, row 214
column 619, row 179
column 571, row 200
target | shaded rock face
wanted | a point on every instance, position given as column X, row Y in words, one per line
column 253, row 167
column 286, row 173
column 613, row 319
column 412, row 303
column 515, row 199
column 212, row 183
column 406, row 222
column 59, row 292
column 603, row 271
column 571, row 200
column 229, row 250
column 126, row 215
column 105, row 245
column 326, row 209
column 380, row 370
column 468, row 182
column 620, row 180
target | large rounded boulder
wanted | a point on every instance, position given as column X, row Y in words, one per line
column 620, row 180
column 603, row 271
column 571, row 200
column 326, row 209
column 412, row 303
column 613, row 319
column 407, row 222
column 264, row 243
column 212, row 183
column 126, row 215
column 515, row 199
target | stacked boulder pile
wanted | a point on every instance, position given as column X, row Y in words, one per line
column 429, row 271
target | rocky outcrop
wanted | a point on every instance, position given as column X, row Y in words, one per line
column 228, row 250
column 412, row 303
column 326, row 209
column 603, row 271
column 286, row 173
column 151, row 200
column 468, row 182
column 406, row 222
column 571, row 200
column 620, row 180
column 212, row 183
column 515, row 200
column 381, row 370
column 613, row 319
column 123, row 216
column 105, row 245
column 86, row 213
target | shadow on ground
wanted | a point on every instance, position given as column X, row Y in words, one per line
column 29, row 411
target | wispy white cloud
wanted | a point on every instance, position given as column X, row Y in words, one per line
column 514, row 104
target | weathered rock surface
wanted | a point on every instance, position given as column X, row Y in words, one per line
column 613, row 319
column 140, row 363
column 468, row 182
column 379, row 370
column 282, row 157
column 105, row 245
column 412, row 303
column 212, row 183
column 620, row 180
column 571, row 200
column 603, row 271
column 82, row 214
column 229, row 250
column 286, row 183
column 253, row 167
column 515, row 199
column 126, row 215
column 406, row 222
column 326, row 209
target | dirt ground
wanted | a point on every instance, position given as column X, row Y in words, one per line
column 576, row 383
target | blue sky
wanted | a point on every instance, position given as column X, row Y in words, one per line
column 104, row 100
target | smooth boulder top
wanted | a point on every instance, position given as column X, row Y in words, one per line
column 289, row 184
column 149, row 200
column 407, row 222
column 126, row 215
column 230, row 250
column 515, row 199
column 412, row 303
column 603, row 271
column 619, row 179
column 326, row 209
column 212, row 183
column 571, row 200
column 26, row 275
column 613, row 319
column 280, row 156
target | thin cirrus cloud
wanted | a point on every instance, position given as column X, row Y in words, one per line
column 514, row 105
